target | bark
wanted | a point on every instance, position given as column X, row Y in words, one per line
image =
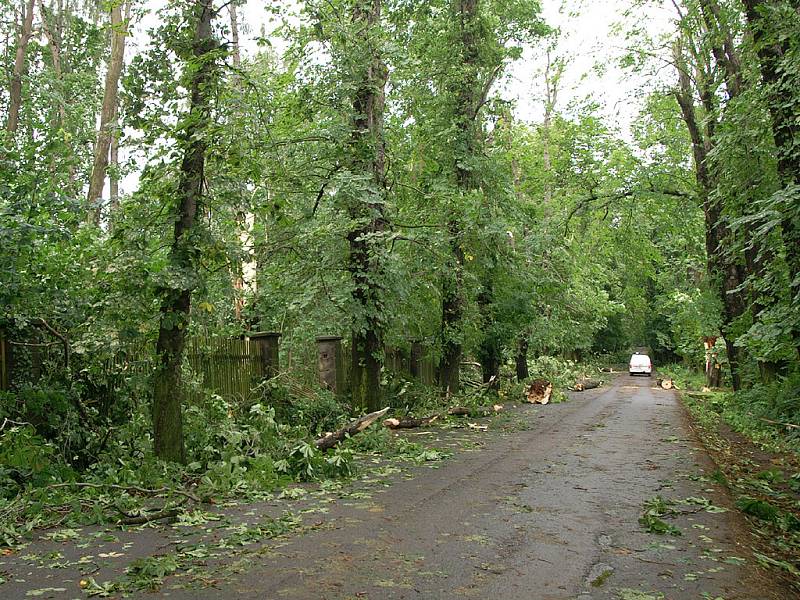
column 521, row 358
column 586, row 384
column 490, row 351
column 108, row 113
column 364, row 261
column 452, row 313
column 552, row 77
column 113, row 178
column 784, row 105
column 409, row 422
column 15, row 89
column 236, row 55
column 468, row 95
column 725, row 274
column 55, row 55
column 176, row 302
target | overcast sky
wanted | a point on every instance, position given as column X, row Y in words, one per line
column 593, row 51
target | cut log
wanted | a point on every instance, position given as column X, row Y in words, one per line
column 409, row 422
column 539, row 391
column 459, row 411
column 329, row 440
column 665, row 384
column 586, row 384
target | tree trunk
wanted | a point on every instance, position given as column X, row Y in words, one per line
column 15, row 89
column 365, row 262
column 723, row 272
column 108, row 113
column 452, row 314
column 55, row 54
column 733, row 362
column 467, row 97
column 727, row 58
column 552, row 79
column 236, row 55
column 490, row 365
column 409, row 422
column 521, row 358
column 113, row 178
column 176, row 302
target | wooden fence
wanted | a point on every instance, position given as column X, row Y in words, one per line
column 228, row 367
column 231, row 368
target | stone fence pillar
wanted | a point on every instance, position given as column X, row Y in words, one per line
column 330, row 363
column 269, row 344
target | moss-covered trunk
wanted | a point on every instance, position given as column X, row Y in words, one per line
column 176, row 301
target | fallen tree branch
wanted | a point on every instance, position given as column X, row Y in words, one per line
column 409, row 422
column 129, row 488
column 480, row 411
column 787, row 425
column 331, row 439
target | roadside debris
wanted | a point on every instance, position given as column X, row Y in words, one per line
column 539, row 391
column 586, row 384
column 666, row 384
column 409, row 422
column 329, row 440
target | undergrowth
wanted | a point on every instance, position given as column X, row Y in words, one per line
column 765, row 488
column 57, row 471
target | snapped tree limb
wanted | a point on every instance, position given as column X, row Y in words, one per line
column 329, row 440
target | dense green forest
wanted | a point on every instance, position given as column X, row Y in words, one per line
column 359, row 174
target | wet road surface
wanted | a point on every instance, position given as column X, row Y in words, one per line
column 543, row 508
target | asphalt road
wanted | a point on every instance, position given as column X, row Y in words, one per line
column 542, row 506
column 545, row 512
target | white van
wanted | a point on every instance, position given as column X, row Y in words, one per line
column 640, row 363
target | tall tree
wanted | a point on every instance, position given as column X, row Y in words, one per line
column 467, row 95
column 108, row 112
column 176, row 299
column 775, row 27
column 366, row 209
column 705, row 50
column 20, row 60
